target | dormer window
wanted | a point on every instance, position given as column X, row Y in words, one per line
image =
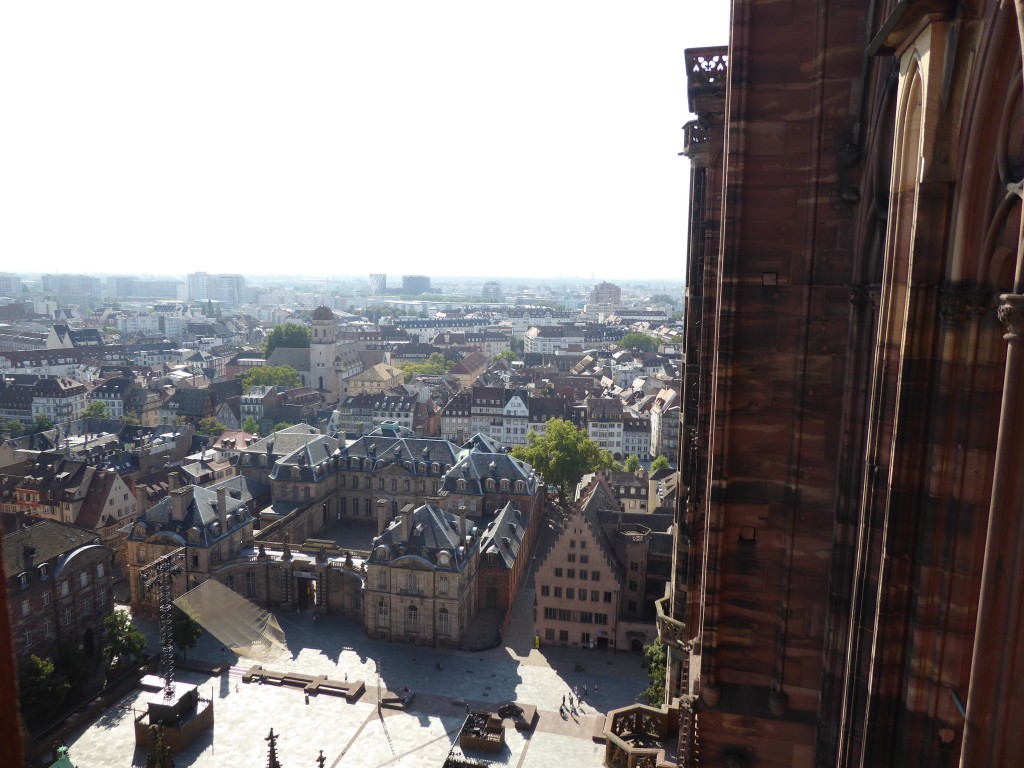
column 490, row 484
column 22, row 579
column 44, row 570
column 461, row 484
column 520, row 486
column 504, row 484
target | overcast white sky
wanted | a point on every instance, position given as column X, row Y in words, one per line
column 444, row 138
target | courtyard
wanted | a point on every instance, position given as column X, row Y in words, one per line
column 443, row 683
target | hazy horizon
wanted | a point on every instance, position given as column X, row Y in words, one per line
column 538, row 139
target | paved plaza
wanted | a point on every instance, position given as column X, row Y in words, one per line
column 355, row 734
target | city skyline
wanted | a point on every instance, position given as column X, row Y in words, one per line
column 537, row 143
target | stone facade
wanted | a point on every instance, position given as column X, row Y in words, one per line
column 850, row 528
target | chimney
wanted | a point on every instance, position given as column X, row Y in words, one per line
column 407, row 511
column 382, row 515
column 172, row 480
column 222, row 509
column 28, row 554
column 462, row 523
column 180, row 497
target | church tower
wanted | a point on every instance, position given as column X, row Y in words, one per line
column 322, row 353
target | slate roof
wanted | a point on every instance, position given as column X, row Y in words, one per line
column 200, row 513
column 48, row 538
column 476, row 467
column 284, row 441
column 309, row 458
column 390, row 449
column 296, row 357
column 504, row 535
column 432, row 530
column 95, row 500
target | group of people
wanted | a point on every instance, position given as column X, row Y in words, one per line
column 564, row 710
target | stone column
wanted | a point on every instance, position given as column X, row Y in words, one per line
column 995, row 701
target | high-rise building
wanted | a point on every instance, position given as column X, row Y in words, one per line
column 415, row 284
column 850, row 539
column 10, row 285
column 378, row 283
column 491, row 291
column 606, row 293
column 72, row 286
column 226, row 289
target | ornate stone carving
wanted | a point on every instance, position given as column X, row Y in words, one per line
column 1011, row 315
column 695, row 138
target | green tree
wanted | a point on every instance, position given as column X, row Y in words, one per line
column 640, row 341
column 185, row 631
column 130, row 418
column 97, row 409
column 632, row 464
column 507, row 355
column 289, row 336
column 562, row 455
column 123, row 644
column 283, row 376
column 435, row 365
column 210, row 426
column 654, row 660
column 12, row 427
column 282, row 425
column 660, row 462
column 159, row 754
column 250, row 425
column 43, row 690
column 42, row 423
column 662, row 298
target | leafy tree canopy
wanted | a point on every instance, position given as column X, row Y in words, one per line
column 250, row 425
column 508, row 355
column 289, row 336
column 42, row 423
column 97, row 409
column 562, row 455
column 435, row 365
column 660, row 462
column 210, row 426
column 282, row 425
column 43, row 689
column 632, row 464
column 654, row 660
column 662, row 298
column 283, row 376
column 640, row 341
column 123, row 643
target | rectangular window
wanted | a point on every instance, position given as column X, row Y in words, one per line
column 583, row 545
column 586, row 617
column 558, row 573
column 585, row 638
column 549, row 613
column 101, row 597
column 563, row 635
column 83, row 579
column 549, row 633
column 572, row 543
column 46, row 598
column 48, row 627
column 572, row 557
column 583, row 575
column 564, row 614
column 607, row 597
column 86, row 606
column 28, row 636
column 250, row 584
column 570, row 593
column 66, row 618
column 583, row 594
column 571, row 573
column 558, row 591
column 584, row 560
column 632, row 585
column 99, row 570
column 65, row 588
column 25, row 607
column 595, row 575
column 545, row 590
column 595, row 596
column 443, row 586
column 634, row 566
column 601, row 618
